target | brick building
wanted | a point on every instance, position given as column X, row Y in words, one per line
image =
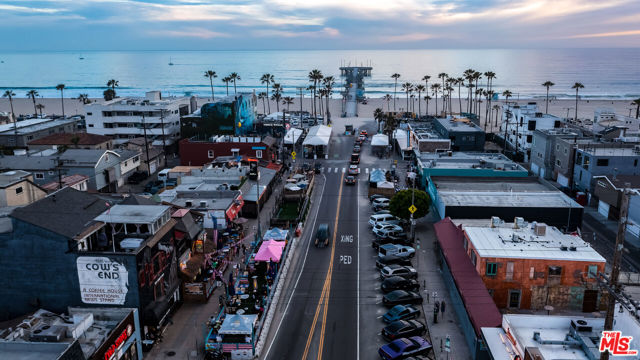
column 195, row 153
column 531, row 265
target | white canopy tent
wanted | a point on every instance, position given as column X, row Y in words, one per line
column 318, row 135
column 292, row 136
column 380, row 140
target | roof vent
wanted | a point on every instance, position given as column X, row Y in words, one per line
column 563, row 248
column 203, row 203
column 572, row 248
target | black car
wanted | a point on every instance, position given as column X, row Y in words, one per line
column 403, row 328
column 399, row 283
column 392, row 259
column 401, row 297
column 399, row 238
column 137, row 177
column 375, row 196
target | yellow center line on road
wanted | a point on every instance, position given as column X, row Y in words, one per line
column 324, row 297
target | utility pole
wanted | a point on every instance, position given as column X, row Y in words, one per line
column 301, row 89
column 506, row 125
column 164, row 144
column 617, row 259
column 146, row 144
column 259, row 235
column 413, row 195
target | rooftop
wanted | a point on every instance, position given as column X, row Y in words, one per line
column 468, row 160
column 9, row 178
column 458, row 124
column 31, row 125
column 133, row 214
column 620, row 181
column 67, row 180
column 92, row 156
column 67, row 139
column 611, row 151
column 506, row 241
column 16, row 162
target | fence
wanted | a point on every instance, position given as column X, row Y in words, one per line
column 629, row 278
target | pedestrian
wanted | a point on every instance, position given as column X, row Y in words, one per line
column 244, row 250
column 436, row 309
column 427, row 297
column 442, row 307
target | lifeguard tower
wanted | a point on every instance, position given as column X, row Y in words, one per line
column 353, row 87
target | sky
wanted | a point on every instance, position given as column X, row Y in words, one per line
column 71, row 25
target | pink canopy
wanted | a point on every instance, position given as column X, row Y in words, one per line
column 269, row 252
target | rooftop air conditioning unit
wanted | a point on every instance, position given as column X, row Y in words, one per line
column 495, row 221
column 48, row 333
column 540, row 230
column 518, row 223
column 188, row 203
column 581, row 325
column 203, row 203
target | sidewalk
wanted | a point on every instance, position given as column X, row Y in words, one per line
column 184, row 337
column 427, row 266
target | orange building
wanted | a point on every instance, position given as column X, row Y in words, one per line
column 532, row 265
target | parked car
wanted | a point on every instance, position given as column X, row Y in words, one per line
column 392, row 260
column 403, row 328
column 354, row 170
column 400, row 312
column 396, row 237
column 398, row 270
column 379, row 207
column 356, row 148
column 399, row 283
column 403, row 240
column 375, row 196
column 137, row 177
column 381, row 229
column 380, row 201
column 404, row 347
column 322, row 235
column 395, row 249
column 397, row 297
column 384, row 211
column 350, row 180
column 380, row 218
column 153, row 187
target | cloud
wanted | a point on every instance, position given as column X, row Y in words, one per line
column 26, row 9
column 325, row 32
column 406, row 37
column 606, row 34
column 198, row 33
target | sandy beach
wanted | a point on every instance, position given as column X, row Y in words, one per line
column 556, row 107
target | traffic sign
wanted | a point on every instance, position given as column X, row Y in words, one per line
column 293, row 153
column 412, row 209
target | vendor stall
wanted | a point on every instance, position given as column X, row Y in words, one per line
column 292, row 136
column 317, row 141
column 276, row 234
column 269, row 251
column 236, row 336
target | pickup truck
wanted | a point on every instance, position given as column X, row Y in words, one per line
column 399, row 250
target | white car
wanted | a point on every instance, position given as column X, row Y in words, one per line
column 381, row 229
column 354, row 170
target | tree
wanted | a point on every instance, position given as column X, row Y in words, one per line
column 40, row 108
column 234, row 77
column 32, row 94
column 636, row 102
column 426, row 100
column 407, row 88
column 84, row 99
column 287, row 100
column 395, row 77
column 113, row 84
column 262, row 96
column 468, row 75
column 267, row 79
column 577, row 86
column 314, row 76
column 211, row 75
column 426, row 81
column 460, row 82
column 277, row 95
column 328, row 83
column 109, row 94
column 10, row 94
column 477, row 76
column 435, row 87
column 401, row 202
column 226, row 80
column 444, row 77
column 420, row 88
column 387, row 98
column 507, row 94
column 60, row 87
column 378, row 114
column 547, row 84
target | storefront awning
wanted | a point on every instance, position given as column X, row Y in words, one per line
column 292, row 136
column 318, row 135
column 380, row 140
column 238, row 324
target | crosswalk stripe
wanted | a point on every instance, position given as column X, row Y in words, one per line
column 336, row 170
column 366, row 170
column 343, row 170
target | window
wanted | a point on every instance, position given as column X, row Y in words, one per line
column 466, row 244
column 39, row 176
column 557, row 147
column 579, row 158
column 593, row 271
column 19, row 190
column 635, row 162
column 473, row 257
column 565, row 151
column 52, row 172
column 259, row 154
column 555, row 270
column 210, row 154
column 556, row 124
column 531, row 125
column 558, row 162
column 490, row 292
column 532, row 273
column 492, row 269
column 602, row 162
column 126, row 163
column 509, row 275
column 30, row 137
column 529, row 138
column 90, row 125
column 586, row 162
column 89, row 114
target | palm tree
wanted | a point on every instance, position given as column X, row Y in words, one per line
column 40, row 107
column 477, row 76
column 113, row 84
column 277, row 95
column 315, row 76
column 328, row 83
column 420, row 88
column 267, row 79
column 262, row 96
column 32, row 94
column 84, row 99
column 636, row 102
column 468, row 75
column 449, row 90
column 426, row 81
column 426, row 100
column 436, row 87
column 108, row 94
column 61, row 88
column 444, row 77
column 234, row 77
column 378, row 114
column 395, row 77
column 387, row 98
column 407, row 88
column 211, row 75
column 507, row 94
column 547, row 84
column 490, row 75
column 10, row 94
column 577, row 86
column 460, row 82
column 496, row 108
column 226, row 80
column 287, row 100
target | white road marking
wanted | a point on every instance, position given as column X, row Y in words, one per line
column 275, row 335
column 366, row 170
column 379, row 316
column 343, row 170
column 336, row 170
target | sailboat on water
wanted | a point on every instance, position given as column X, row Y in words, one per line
column 170, row 62
column 81, row 57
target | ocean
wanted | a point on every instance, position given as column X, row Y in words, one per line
column 605, row 73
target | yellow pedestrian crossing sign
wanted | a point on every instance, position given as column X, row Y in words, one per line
column 293, row 153
column 413, row 209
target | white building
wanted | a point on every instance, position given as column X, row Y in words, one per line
column 123, row 118
column 520, row 121
column 606, row 117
